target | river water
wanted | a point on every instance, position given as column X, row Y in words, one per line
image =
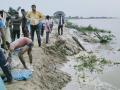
column 106, row 24
column 110, row 78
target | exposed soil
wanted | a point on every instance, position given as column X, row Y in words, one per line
column 47, row 74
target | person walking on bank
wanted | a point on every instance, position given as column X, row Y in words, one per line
column 47, row 28
column 16, row 26
column 25, row 30
column 35, row 18
column 60, row 24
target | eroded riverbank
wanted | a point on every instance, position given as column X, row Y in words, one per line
column 109, row 79
column 53, row 71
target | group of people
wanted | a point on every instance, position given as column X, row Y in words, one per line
column 35, row 20
column 26, row 42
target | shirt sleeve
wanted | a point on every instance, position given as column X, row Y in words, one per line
column 28, row 15
column 1, row 25
column 41, row 15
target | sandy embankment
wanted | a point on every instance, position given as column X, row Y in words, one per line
column 47, row 74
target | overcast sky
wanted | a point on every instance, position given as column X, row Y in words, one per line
column 70, row 7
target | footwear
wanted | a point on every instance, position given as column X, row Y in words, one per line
column 31, row 68
column 39, row 45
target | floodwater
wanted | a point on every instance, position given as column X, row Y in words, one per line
column 109, row 80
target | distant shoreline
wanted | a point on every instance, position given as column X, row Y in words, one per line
column 94, row 18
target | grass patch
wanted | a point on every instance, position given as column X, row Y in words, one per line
column 91, row 63
column 85, row 29
column 103, row 38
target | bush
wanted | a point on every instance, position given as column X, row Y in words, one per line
column 104, row 38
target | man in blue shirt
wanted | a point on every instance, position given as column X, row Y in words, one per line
column 3, row 60
column 2, row 34
column 1, row 24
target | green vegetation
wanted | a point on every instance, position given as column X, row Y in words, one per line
column 84, row 29
column 104, row 38
column 91, row 63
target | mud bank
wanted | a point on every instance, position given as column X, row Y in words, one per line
column 52, row 70
column 93, row 80
column 47, row 74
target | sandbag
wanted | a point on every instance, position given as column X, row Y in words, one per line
column 21, row 74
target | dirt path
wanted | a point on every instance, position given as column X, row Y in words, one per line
column 46, row 75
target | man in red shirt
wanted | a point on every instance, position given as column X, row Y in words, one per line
column 25, row 45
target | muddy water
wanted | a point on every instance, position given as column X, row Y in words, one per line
column 106, row 24
column 109, row 80
column 69, row 68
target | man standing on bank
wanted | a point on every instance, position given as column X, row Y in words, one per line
column 60, row 24
column 35, row 18
column 25, row 30
column 16, row 26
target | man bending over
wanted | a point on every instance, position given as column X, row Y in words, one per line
column 25, row 45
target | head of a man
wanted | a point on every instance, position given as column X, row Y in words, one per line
column 60, row 15
column 1, row 14
column 23, row 12
column 16, row 15
column 47, row 17
column 33, row 8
